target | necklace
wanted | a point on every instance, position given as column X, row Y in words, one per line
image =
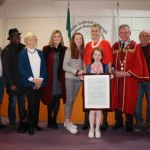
column 93, row 46
column 31, row 52
column 122, row 65
column 122, row 61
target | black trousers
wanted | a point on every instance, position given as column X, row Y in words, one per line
column 33, row 98
column 53, row 108
column 119, row 119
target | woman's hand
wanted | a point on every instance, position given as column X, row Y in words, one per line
column 82, row 77
column 37, row 83
column 111, row 76
column 36, row 87
column 80, row 72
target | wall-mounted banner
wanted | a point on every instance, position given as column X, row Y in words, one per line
column 84, row 27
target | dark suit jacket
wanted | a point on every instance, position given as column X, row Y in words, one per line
column 10, row 63
column 26, row 71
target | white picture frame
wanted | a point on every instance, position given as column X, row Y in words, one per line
column 96, row 91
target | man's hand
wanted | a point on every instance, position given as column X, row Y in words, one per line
column 120, row 74
column 13, row 88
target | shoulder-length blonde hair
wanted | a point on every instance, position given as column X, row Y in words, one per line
column 29, row 35
column 74, row 52
column 51, row 42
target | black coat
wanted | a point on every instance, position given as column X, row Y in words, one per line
column 10, row 63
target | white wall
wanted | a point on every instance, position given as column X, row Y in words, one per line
column 2, row 26
column 44, row 16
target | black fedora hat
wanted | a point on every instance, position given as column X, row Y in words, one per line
column 11, row 32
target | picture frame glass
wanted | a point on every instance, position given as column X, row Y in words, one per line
column 96, row 91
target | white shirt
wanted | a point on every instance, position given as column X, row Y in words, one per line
column 126, row 43
column 35, row 63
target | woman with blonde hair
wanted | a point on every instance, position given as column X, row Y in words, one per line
column 33, row 77
column 97, row 41
column 55, row 88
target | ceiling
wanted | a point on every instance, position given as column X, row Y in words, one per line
column 2, row 1
column 79, row 0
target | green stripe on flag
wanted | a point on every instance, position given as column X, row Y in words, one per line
column 68, row 25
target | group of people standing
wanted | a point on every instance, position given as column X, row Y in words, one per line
column 129, row 64
column 57, row 71
column 25, row 75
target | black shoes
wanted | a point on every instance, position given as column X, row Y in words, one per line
column 52, row 124
column 117, row 126
column 55, row 125
column 38, row 128
column 2, row 126
column 104, row 126
column 31, row 131
column 129, row 129
column 23, row 127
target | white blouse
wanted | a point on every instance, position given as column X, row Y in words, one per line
column 35, row 63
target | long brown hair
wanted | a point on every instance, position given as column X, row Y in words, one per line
column 74, row 52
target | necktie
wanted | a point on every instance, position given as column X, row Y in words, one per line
column 122, row 45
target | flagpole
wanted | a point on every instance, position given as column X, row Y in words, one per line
column 68, row 24
column 118, row 16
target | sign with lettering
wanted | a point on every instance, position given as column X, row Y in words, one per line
column 84, row 27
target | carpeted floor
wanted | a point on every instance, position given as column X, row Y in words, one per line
column 61, row 139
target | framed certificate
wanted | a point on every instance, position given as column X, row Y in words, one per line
column 96, row 91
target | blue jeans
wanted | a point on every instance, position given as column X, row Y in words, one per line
column 1, row 90
column 143, row 87
column 12, row 108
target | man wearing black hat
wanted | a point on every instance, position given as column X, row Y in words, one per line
column 10, row 63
